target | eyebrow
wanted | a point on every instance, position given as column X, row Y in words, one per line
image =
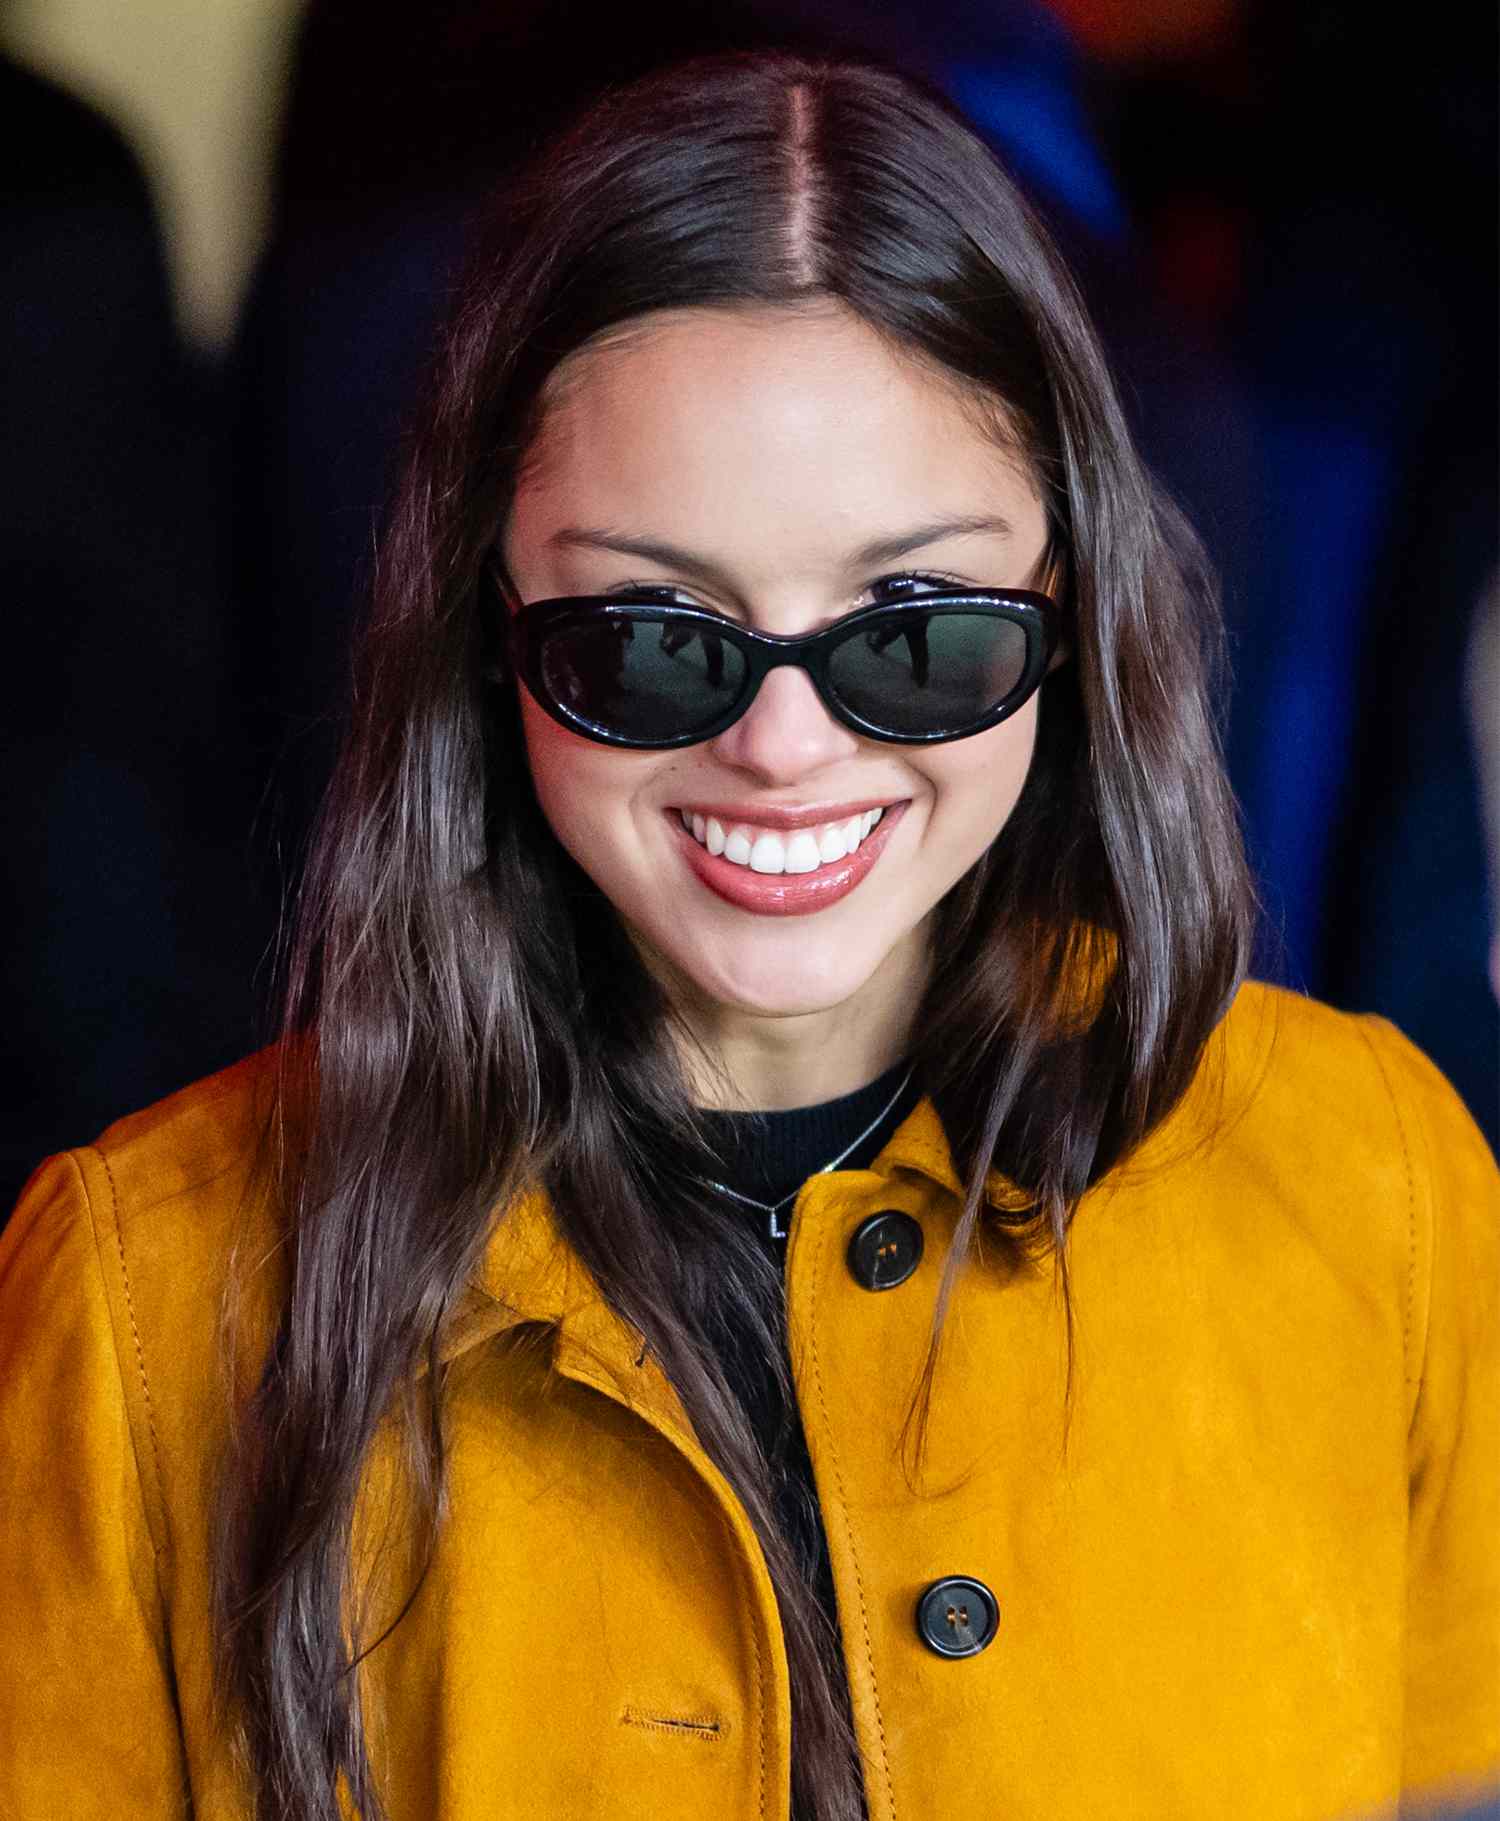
column 880, row 550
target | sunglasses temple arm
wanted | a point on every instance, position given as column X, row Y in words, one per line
column 916, row 639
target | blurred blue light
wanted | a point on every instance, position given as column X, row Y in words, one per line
column 1033, row 116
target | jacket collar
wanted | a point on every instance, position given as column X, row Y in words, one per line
column 530, row 1272
column 919, row 1143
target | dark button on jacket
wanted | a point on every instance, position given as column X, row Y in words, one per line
column 957, row 1616
column 885, row 1249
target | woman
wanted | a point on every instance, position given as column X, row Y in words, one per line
column 772, row 1269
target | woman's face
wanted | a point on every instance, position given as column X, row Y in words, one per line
column 768, row 449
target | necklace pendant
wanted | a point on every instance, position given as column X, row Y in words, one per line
column 777, row 1232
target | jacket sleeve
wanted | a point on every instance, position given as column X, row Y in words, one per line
column 88, row 1720
column 1452, row 1732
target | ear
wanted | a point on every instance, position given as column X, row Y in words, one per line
column 499, row 578
column 497, row 601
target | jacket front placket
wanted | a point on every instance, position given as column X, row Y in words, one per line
column 912, row 1556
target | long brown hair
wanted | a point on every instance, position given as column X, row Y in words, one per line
column 463, row 1012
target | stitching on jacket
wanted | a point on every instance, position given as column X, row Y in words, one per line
column 135, row 1335
column 748, row 1581
column 1413, row 1372
column 708, row 1727
column 760, row 1683
column 838, row 1475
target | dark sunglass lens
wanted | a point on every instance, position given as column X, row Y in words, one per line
column 639, row 677
column 929, row 672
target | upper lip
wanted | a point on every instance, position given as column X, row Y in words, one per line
column 801, row 815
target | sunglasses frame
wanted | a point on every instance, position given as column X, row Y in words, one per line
column 1037, row 614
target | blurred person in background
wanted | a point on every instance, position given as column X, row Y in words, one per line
column 129, row 951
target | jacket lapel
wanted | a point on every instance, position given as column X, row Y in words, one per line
column 530, row 1273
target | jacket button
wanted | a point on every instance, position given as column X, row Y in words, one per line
column 885, row 1249
column 957, row 1616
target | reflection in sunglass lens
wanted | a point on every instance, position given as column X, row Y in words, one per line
column 642, row 678
column 931, row 672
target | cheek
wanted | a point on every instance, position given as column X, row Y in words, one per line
column 563, row 771
column 584, row 789
column 977, row 782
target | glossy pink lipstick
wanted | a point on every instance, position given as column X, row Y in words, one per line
column 786, row 894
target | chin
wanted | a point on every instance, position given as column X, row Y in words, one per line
column 772, row 987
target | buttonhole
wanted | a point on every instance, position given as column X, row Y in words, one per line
column 690, row 1726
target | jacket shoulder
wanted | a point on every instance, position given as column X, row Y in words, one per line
column 193, row 1138
column 1335, row 1126
column 1345, row 1076
column 175, row 1168
column 156, row 1230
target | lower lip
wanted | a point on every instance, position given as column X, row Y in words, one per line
column 786, row 894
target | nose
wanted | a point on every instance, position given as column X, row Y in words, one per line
column 786, row 733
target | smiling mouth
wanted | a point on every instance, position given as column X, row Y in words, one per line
column 750, row 885
column 767, row 850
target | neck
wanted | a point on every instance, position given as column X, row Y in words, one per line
column 739, row 1060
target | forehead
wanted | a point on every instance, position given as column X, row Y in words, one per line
column 735, row 422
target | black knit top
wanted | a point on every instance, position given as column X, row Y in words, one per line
column 767, row 1156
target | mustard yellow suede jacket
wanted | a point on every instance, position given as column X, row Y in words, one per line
column 1262, row 1581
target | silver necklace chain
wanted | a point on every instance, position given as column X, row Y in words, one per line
column 774, row 1208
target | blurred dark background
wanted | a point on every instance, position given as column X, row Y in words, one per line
column 1284, row 215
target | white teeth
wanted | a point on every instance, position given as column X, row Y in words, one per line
column 768, row 854
column 763, row 851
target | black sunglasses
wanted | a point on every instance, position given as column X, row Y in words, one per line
column 919, row 671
